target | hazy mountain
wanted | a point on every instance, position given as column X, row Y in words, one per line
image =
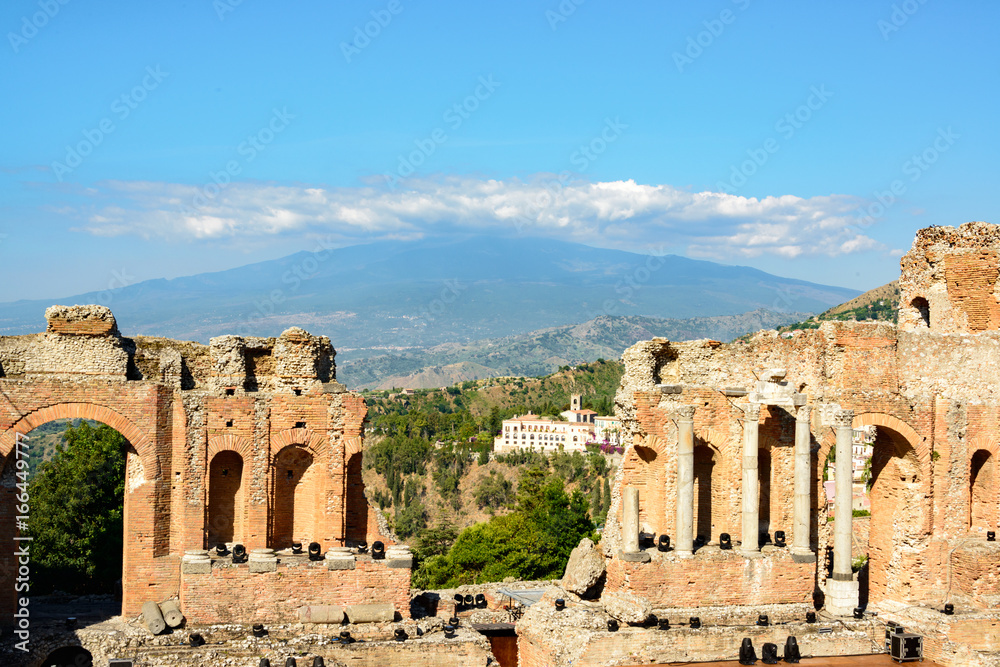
column 402, row 295
column 542, row 352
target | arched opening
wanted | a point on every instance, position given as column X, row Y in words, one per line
column 705, row 491
column 643, row 469
column 897, row 516
column 225, row 499
column 69, row 656
column 764, row 493
column 356, row 505
column 923, row 309
column 296, row 497
column 982, row 493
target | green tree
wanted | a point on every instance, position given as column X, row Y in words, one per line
column 495, row 491
column 77, row 508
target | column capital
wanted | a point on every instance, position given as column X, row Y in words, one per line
column 802, row 413
column 685, row 412
column 843, row 417
column 751, row 412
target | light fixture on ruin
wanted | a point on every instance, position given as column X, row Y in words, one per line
column 345, row 637
column 239, row 553
column 290, row 662
column 453, row 621
column 859, row 612
column 296, row 548
column 362, row 547
column 699, row 542
column 779, row 538
column 810, row 617
column 378, row 550
column 949, row 609
column 792, row 654
column 763, row 620
column 469, row 600
column 560, row 604
column 315, row 551
column 399, row 634
column 449, row 631
column 664, row 543
column 480, row 600
column 221, row 549
column 725, row 541
column 612, row 625
column 71, row 622
column 196, row 640
column 694, row 622
column 748, row 656
column 264, row 662
column 991, row 536
column 318, row 661
column 769, row 653
column 663, row 623
column 459, row 601
column 258, row 630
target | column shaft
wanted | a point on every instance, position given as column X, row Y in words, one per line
column 751, row 488
column 630, row 519
column 842, row 509
column 800, row 523
column 685, row 480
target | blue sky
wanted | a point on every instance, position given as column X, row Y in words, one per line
column 147, row 140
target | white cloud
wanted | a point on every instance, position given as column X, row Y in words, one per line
column 618, row 214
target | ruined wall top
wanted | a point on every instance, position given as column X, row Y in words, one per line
column 83, row 342
column 950, row 280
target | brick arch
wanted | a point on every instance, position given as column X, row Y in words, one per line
column 653, row 442
column 352, row 446
column 991, row 445
column 139, row 441
column 907, row 432
column 303, row 437
column 989, row 503
column 229, row 443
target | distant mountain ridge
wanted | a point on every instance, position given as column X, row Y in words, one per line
column 542, row 352
column 400, row 296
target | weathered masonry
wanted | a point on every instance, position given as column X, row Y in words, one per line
column 245, row 441
column 732, row 439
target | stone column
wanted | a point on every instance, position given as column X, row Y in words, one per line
column 751, row 488
column 800, row 522
column 842, row 593
column 685, row 480
column 630, row 520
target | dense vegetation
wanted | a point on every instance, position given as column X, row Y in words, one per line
column 534, row 508
column 76, row 513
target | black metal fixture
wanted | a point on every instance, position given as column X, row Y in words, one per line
column 196, row 640
column 480, row 600
column 699, row 542
column 748, row 656
column 258, row 630
column 612, row 625
column 650, row 621
column 949, row 609
column 296, row 547
column 560, row 604
column 694, row 622
column 459, row 601
column 725, row 541
column 664, row 623
column 470, row 600
column 991, row 536
column 453, row 621
column 664, row 543
column 71, row 622
column 763, row 620
column 221, row 549
column 769, row 654
column 399, row 634
column 315, row 551
column 239, row 553
column 362, row 547
column 264, row 662
column 792, row 654
column 764, row 538
column 859, row 612
column 810, row 617
column 378, row 550
column 779, row 540
column 290, row 662
column 345, row 637
column 318, row 660
column 449, row 631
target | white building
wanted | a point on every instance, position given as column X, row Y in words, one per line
column 542, row 434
